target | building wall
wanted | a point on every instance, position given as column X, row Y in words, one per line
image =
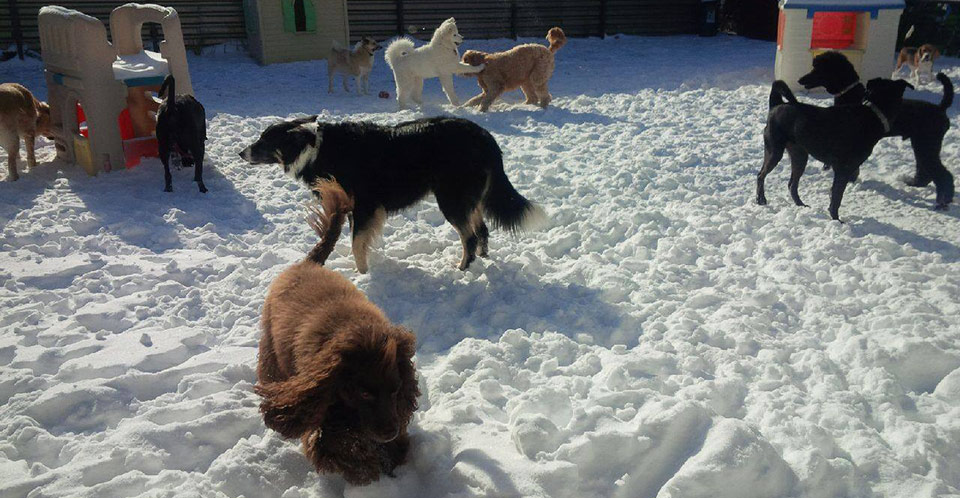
column 282, row 46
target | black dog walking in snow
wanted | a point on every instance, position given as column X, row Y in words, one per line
column 181, row 127
column 924, row 123
column 841, row 137
column 385, row 169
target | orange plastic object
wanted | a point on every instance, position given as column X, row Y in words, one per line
column 136, row 148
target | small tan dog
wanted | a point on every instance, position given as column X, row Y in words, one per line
column 919, row 60
column 527, row 67
column 357, row 62
column 21, row 115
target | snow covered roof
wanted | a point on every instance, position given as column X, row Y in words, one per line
column 842, row 5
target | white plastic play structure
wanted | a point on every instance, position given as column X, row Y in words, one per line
column 101, row 104
column 863, row 30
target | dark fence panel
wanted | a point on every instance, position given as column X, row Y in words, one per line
column 208, row 22
column 204, row 22
column 511, row 18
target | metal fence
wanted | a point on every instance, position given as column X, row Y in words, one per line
column 512, row 18
column 208, row 22
column 204, row 22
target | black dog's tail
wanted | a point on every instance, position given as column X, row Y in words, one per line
column 947, row 100
column 507, row 208
column 780, row 91
column 169, row 86
column 326, row 217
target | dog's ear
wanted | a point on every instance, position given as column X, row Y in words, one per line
column 409, row 388
column 299, row 404
column 904, row 84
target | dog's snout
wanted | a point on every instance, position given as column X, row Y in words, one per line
column 245, row 154
column 389, row 434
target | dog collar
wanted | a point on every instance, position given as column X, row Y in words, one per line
column 847, row 89
column 876, row 110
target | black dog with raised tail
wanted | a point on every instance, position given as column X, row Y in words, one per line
column 181, row 127
column 840, row 137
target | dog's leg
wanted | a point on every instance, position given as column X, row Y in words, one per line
column 446, row 81
column 926, row 149
column 403, row 92
column 490, row 95
column 530, row 92
column 465, row 219
column 367, row 227
column 798, row 164
column 365, row 84
column 772, row 154
column 474, row 101
column 30, row 142
column 923, row 157
column 346, row 83
column 483, row 235
column 197, row 153
column 840, row 181
column 543, row 92
column 164, row 150
column 12, row 146
column 418, row 91
column 331, row 75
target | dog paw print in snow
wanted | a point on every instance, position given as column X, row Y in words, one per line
column 145, row 340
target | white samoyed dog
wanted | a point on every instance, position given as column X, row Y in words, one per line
column 440, row 58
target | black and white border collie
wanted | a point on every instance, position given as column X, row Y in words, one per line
column 385, row 169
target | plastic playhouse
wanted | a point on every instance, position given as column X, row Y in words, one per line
column 863, row 30
column 101, row 94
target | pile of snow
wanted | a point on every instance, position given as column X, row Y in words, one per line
column 141, row 65
column 663, row 337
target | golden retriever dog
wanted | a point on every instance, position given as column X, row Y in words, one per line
column 527, row 67
column 333, row 370
column 21, row 116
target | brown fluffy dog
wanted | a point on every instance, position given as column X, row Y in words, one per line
column 21, row 116
column 527, row 67
column 333, row 370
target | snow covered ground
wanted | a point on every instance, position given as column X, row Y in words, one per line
column 665, row 337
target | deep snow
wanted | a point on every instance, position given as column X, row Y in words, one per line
column 665, row 337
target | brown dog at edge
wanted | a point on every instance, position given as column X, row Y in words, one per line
column 333, row 370
column 21, row 116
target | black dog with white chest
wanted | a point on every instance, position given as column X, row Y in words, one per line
column 181, row 127
column 841, row 137
column 385, row 169
column 924, row 123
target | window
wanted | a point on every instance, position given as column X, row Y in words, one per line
column 299, row 16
